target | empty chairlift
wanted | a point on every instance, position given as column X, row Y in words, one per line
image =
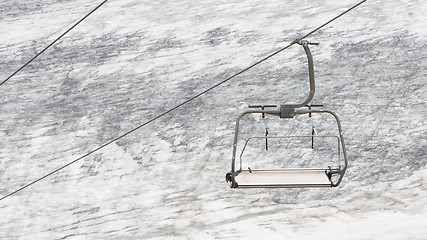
column 326, row 176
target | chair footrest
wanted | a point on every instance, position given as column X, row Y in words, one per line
column 284, row 178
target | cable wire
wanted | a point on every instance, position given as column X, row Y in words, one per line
column 52, row 43
column 179, row 105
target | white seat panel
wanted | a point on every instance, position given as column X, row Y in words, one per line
column 283, row 178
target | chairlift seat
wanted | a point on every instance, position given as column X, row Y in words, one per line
column 288, row 178
column 284, row 178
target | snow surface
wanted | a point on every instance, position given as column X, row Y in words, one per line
column 132, row 60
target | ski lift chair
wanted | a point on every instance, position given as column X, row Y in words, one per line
column 328, row 176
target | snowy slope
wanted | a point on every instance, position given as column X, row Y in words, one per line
column 132, row 60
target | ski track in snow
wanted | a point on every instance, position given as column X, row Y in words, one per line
column 132, row 60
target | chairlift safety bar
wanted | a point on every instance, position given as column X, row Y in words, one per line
column 295, row 136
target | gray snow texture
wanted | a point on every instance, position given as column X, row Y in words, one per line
column 132, row 60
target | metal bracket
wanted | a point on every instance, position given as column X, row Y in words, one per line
column 305, row 42
column 262, row 107
column 313, row 130
column 287, row 111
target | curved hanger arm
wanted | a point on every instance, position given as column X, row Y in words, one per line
column 310, row 96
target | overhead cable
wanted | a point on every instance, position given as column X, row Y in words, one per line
column 52, row 43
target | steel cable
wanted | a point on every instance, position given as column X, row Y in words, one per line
column 52, row 43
